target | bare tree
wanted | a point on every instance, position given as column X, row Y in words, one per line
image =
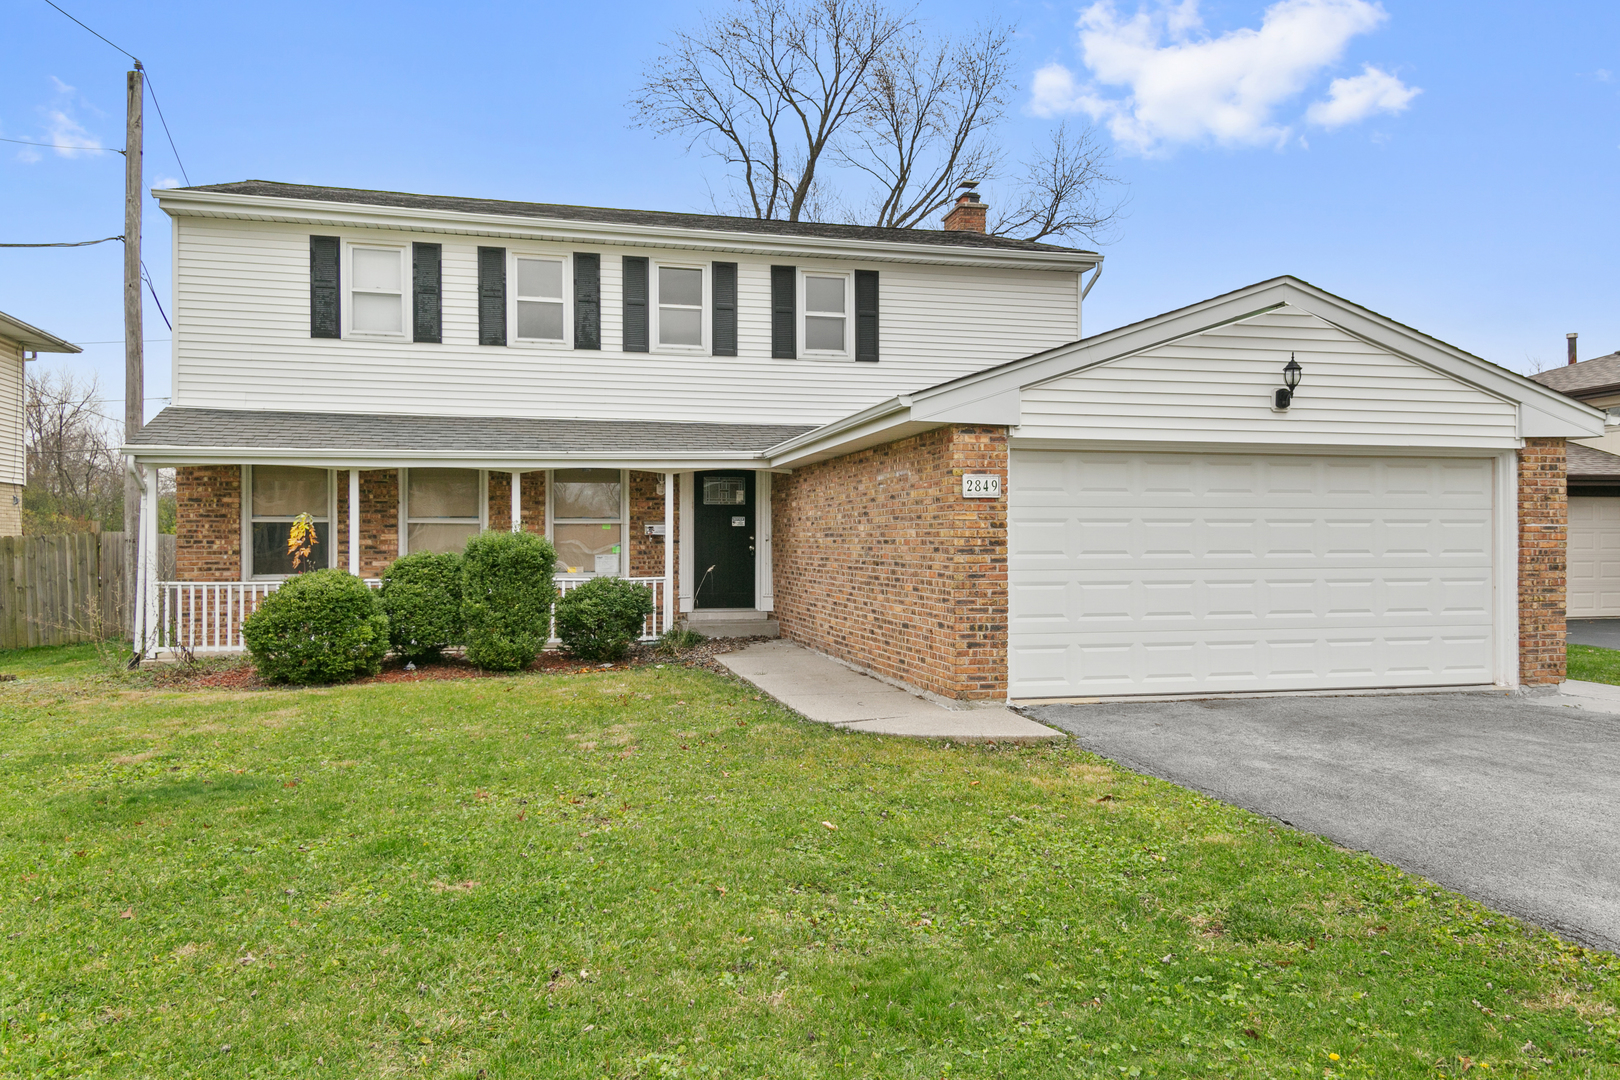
column 74, row 476
column 796, row 95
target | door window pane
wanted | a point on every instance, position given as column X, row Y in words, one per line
column 587, row 549
column 287, row 491
column 442, row 493
column 586, row 493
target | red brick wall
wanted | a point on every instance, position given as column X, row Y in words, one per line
column 1543, row 554
column 881, row 562
column 208, row 533
column 379, row 520
column 534, row 501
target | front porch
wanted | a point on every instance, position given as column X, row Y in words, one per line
column 698, row 537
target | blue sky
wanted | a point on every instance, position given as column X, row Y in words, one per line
column 1455, row 166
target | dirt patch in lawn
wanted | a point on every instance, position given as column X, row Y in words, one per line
column 237, row 673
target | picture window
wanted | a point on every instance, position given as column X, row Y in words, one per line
column 442, row 509
column 277, row 495
column 587, row 515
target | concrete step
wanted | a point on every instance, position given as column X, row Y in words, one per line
column 702, row 615
column 736, row 628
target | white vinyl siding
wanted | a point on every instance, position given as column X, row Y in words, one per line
column 13, row 467
column 1215, row 387
column 1594, row 557
column 242, row 339
column 1162, row 573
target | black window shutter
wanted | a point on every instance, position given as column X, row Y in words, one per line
column 784, row 313
column 325, row 295
column 636, row 337
column 725, row 309
column 587, row 300
column 491, row 296
column 426, row 300
column 866, row 315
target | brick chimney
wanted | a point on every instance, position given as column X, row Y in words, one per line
column 968, row 213
column 1571, row 339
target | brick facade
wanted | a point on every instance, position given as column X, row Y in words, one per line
column 208, row 523
column 647, row 508
column 533, row 494
column 881, row 562
column 1543, row 559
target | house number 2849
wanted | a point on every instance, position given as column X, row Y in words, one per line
column 981, row 486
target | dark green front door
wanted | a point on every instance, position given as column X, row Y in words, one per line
column 723, row 506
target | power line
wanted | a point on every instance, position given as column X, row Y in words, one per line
column 59, row 146
column 81, row 243
column 119, row 341
column 149, row 86
column 147, row 274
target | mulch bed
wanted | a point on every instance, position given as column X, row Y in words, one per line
column 237, row 673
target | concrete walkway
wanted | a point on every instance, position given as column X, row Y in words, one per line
column 1587, row 696
column 827, row 692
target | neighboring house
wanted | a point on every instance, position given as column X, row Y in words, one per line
column 18, row 343
column 1594, row 488
column 895, row 445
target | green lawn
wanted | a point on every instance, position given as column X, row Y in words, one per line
column 1592, row 664
column 656, row 874
column 62, row 661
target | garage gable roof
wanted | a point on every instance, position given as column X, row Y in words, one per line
column 994, row 396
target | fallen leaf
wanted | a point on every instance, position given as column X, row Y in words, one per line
column 127, row 913
column 830, row 825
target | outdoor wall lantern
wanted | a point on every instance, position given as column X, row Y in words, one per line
column 1283, row 396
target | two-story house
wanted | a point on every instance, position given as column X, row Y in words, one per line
column 19, row 343
column 897, row 446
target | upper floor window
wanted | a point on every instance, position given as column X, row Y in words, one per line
column 442, row 508
column 537, row 298
column 680, row 307
column 826, row 314
column 377, row 277
column 278, row 494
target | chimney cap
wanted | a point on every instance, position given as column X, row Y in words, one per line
column 969, row 184
column 1572, row 337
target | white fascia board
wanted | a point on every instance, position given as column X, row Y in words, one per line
column 1570, row 418
column 33, row 338
column 880, row 417
column 408, row 219
column 338, row 458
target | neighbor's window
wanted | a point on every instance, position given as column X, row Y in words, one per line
column 587, row 520
column 826, row 313
column 279, row 494
column 376, row 290
column 539, row 299
column 441, row 509
column 680, row 306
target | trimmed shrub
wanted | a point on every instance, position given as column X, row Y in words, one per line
column 506, row 596
column 421, row 595
column 320, row 627
column 599, row 619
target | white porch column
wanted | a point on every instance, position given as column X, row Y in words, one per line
column 517, row 502
column 669, row 550
column 145, row 629
column 764, row 583
column 687, row 547
column 354, row 522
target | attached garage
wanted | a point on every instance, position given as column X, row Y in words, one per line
column 1594, row 533
column 1175, row 573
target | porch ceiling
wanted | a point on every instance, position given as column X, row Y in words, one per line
column 182, row 435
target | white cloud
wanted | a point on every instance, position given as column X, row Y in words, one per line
column 1358, row 97
column 1183, row 85
column 166, row 182
column 62, row 129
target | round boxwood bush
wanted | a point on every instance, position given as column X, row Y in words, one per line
column 421, row 595
column 506, row 595
column 321, row 627
column 599, row 619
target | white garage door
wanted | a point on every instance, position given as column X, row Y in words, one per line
column 1139, row 573
column 1594, row 557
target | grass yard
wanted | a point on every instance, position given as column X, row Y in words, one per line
column 1592, row 664
column 654, row 873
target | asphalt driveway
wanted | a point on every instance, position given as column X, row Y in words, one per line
column 1504, row 799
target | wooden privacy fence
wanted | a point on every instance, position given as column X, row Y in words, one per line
column 58, row 590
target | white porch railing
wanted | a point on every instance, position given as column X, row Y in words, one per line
column 205, row 617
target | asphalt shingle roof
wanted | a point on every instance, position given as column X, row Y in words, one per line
column 1600, row 372
column 1584, row 462
column 251, row 429
column 610, row 216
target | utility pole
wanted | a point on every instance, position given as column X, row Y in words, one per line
column 134, row 358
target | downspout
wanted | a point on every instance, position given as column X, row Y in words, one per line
column 1096, row 272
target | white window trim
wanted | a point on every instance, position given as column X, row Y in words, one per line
column 403, row 521
column 512, row 256
column 624, row 520
column 848, row 351
column 406, row 285
column 705, row 310
column 247, row 526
